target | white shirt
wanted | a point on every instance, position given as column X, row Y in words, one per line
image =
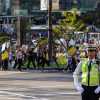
column 98, row 55
column 19, row 55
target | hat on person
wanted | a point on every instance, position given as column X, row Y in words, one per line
column 91, row 48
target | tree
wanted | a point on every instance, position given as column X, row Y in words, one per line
column 42, row 41
column 3, row 38
column 71, row 23
column 66, row 27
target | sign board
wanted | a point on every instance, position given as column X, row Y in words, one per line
column 44, row 5
column 20, row 12
column 55, row 4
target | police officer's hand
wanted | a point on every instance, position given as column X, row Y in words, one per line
column 97, row 90
column 80, row 89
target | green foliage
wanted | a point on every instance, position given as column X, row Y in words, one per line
column 68, row 25
column 3, row 38
column 65, row 28
column 42, row 41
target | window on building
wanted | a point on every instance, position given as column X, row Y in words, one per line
column 30, row 5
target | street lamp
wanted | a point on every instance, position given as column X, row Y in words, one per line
column 50, row 35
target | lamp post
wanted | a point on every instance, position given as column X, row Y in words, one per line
column 50, row 35
column 88, row 30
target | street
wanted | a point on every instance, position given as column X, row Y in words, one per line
column 37, row 86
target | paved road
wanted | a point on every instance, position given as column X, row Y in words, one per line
column 36, row 86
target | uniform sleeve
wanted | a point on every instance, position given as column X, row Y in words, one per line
column 76, row 75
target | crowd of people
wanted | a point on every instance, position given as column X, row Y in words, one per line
column 36, row 58
column 17, row 58
column 74, row 59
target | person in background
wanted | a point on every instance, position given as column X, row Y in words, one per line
column 39, row 56
column 10, row 57
column 42, row 57
column 5, row 58
column 19, row 59
column 31, row 58
column 0, row 61
column 98, row 52
column 35, row 54
column 15, row 58
column 77, row 55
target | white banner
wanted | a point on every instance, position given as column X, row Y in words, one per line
column 44, row 5
column 3, row 47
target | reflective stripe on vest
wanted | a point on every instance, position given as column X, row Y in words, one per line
column 94, row 74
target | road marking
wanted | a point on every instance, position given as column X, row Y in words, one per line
column 16, row 94
column 52, row 86
column 68, row 93
column 21, row 95
column 10, row 72
column 60, row 93
column 8, row 98
column 4, row 92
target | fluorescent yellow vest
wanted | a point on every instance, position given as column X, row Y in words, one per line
column 94, row 74
column 5, row 55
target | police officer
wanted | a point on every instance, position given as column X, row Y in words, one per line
column 89, row 87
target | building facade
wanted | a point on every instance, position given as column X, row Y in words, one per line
column 28, row 7
column 82, row 5
column 0, row 7
column 24, row 7
column 5, row 7
column 55, row 4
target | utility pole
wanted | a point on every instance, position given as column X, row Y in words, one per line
column 15, row 7
column 50, row 35
column 18, row 31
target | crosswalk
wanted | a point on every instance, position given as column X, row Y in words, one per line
column 21, row 96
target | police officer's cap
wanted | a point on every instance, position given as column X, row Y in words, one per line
column 91, row 48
